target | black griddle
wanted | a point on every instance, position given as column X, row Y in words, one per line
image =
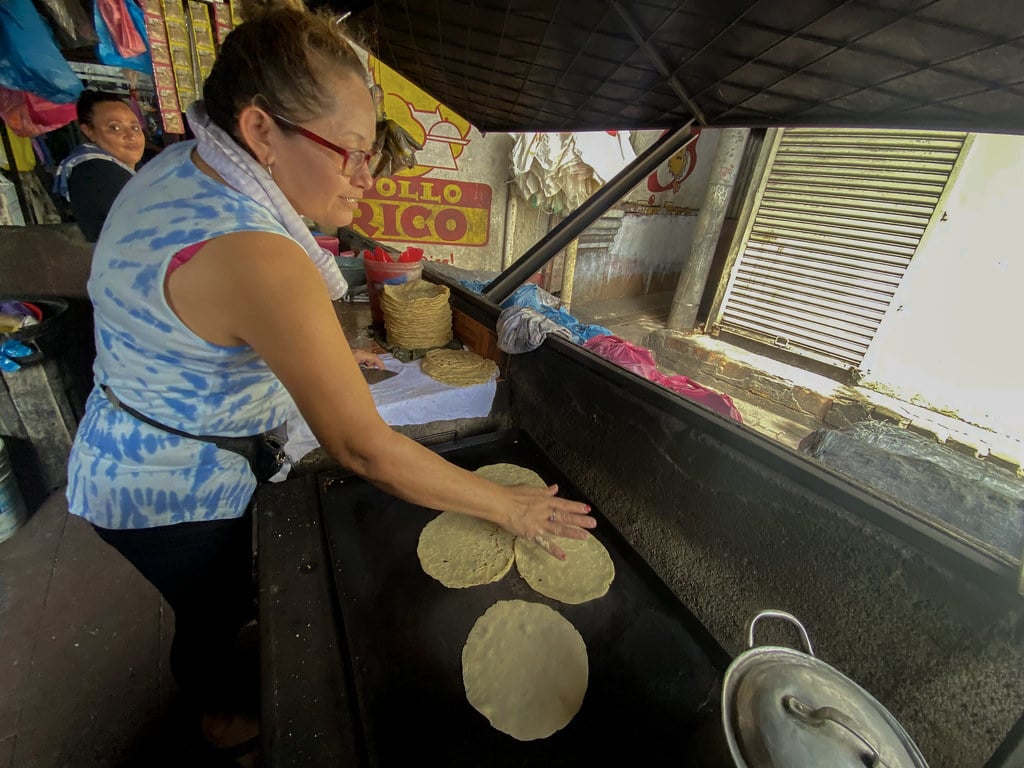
column 655, row 671
column 361, row 651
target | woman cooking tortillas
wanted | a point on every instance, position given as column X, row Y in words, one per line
column 202, row 243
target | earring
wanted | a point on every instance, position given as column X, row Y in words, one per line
column 270, row 170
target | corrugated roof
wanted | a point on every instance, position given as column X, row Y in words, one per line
column 604, row 64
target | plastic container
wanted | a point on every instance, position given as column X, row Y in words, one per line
column 352, row 269
column 380, row 273
column 12, row 504
column 328, row 243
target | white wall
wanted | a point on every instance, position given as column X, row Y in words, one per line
column 952, row 337
column 653, row 246
column 654, row 240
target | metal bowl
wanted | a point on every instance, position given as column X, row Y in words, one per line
column 352, row 270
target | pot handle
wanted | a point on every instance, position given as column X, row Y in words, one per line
column 774, row 614
column 821, row 715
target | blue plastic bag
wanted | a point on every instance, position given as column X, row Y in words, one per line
column 106, row 51
column 532, row 297
column 29, row 58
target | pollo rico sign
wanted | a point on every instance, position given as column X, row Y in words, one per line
column 443, row 203
column 427, row 211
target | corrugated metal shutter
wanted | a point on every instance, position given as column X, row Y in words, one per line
column 841, row 215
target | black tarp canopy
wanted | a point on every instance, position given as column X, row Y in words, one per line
column 550, row 65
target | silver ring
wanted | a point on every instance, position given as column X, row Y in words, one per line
column 553, row 517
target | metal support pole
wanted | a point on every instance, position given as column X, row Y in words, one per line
column 683, row 314
column 505, row 284
column 569, row 274
column 511, row 221
column 15, row 175
column 654, row 56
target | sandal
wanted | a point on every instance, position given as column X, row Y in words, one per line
column 220, row 738
column 246, row 754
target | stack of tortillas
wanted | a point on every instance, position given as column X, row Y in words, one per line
column 417, row 314
column 458, row 368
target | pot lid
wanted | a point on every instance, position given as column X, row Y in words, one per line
column 782, row 708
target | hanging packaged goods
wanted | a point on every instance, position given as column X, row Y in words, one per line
column 184, row 39
column 180, row 43
column 163, row 68
column 202, row 38
column 222, row 23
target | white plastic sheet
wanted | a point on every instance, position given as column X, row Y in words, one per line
column 409, row 398
column 558, row 171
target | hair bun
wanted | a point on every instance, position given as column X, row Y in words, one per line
column 251, row 10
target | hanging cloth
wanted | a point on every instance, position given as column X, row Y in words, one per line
column 29, row 59
column 24, row 156
column 29, row 115
column 126, row 32
column 71, row 23
column 123, row 34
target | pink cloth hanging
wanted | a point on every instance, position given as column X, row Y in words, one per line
column 125, row 36
column 640, row 361
column 29, row 115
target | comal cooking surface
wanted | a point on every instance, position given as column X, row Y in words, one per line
column 654, row 670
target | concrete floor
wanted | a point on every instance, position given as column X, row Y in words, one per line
column 84, row 641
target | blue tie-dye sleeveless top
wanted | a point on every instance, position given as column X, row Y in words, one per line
column 126, row 474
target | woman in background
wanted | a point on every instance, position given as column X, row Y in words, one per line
column 91, row 177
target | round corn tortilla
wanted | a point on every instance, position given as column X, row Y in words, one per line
column 458, row 368
column 525, row 669
column 511, row 474
column 462, row 551
column 586, row 573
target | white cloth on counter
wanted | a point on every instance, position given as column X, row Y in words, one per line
column 409, row 398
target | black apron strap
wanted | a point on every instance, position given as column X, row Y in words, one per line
column 241, row 445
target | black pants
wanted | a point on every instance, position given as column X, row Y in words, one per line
column 204, row 571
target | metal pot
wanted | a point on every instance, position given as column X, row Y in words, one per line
column 782, row 708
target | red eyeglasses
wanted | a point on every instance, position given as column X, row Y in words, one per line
column 352, row 160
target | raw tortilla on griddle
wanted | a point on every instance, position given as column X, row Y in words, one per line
column 525, row 669
column 586, row 573
column 511, row 474
column 462, row 551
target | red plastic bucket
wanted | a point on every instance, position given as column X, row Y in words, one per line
column 379, row 273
